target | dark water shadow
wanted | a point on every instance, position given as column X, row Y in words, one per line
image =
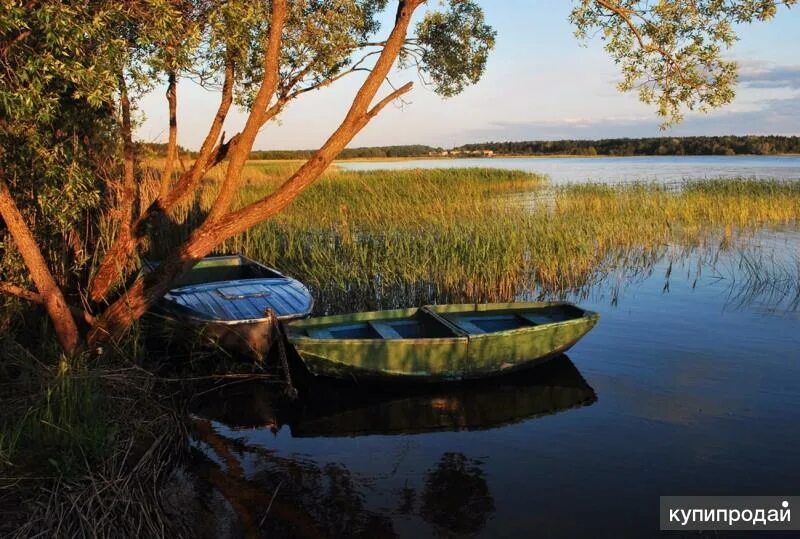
column 333, row 408
column 269, row 493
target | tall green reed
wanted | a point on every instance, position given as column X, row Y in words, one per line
column 386, row 238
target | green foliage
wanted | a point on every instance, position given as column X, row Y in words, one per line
column 672, row 53
column 455, row 46
column 57, row 84
column 325, row 39
column 56, row 50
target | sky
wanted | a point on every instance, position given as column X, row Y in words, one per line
column 540, row 83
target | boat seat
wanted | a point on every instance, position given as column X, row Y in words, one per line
column 318, row 333
column 464, row 323
column 543, row 317
column 479, row 323
column 535, row 318
column 385, row 330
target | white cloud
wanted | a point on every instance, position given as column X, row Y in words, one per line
column 763, row 75
column 774, row 116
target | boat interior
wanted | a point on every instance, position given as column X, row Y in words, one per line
column 427, row 323
column 478, row 322
column 421, row 325
column 223, row 268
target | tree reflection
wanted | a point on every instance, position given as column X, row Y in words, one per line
column 282, row 494
column 283, row 497
column 456, row 499
column 294, row 497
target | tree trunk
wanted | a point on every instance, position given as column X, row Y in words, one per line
column 52, row 297
column 172, row 144
column 221, row 224
column 118, row 258
column 237, row 157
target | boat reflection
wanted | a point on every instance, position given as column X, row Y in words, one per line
column 269, row 492
column 328, row 408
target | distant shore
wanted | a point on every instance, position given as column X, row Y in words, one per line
column 531, row 156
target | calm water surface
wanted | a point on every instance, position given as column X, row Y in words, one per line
column 689, row 385
column 615, row 169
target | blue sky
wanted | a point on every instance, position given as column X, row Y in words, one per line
column 540, row 83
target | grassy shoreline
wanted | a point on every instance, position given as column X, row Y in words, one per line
column 481, row 234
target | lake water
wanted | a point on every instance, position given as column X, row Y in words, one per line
column 689, row 385
column 615, row 169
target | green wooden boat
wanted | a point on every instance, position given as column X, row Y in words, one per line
column 439, row 342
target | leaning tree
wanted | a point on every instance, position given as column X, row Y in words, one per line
column 71, row 73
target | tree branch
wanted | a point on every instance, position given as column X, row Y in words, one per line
column 33, row 297
column 14, row 290
column 379, row 106
column 128, row 181
column 52, row 297
column 625, row 14
column 357, row 117
column 146, row 290
column 117, row 259
column 269, row 83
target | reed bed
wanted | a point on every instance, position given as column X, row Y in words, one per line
column 388, row 238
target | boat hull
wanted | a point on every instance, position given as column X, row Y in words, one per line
column 460, row 357
column 223, row 303
column 251, row 340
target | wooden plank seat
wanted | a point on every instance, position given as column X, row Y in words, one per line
column 463, row 323
column 384, row 330
column 477, row 324
column 544, row 317
column 321, row 333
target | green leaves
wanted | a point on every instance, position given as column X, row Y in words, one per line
column 453, row 46
column 58, row 79
column 57, row 49
column 672, row 53
column 321, row 38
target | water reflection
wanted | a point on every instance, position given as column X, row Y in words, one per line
column 271, row 493
column 615, row 169
column 282, row 497
column 330, row 408
column 456, row 499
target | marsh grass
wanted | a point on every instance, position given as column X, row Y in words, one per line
column 392, row 238
column 85, row 449
column 86, row 452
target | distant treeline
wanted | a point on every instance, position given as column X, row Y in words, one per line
column 414, row 150
column 159, row 149
column 153, row 149
column 725, row 145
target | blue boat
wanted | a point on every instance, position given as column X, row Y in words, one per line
column 228, row 300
